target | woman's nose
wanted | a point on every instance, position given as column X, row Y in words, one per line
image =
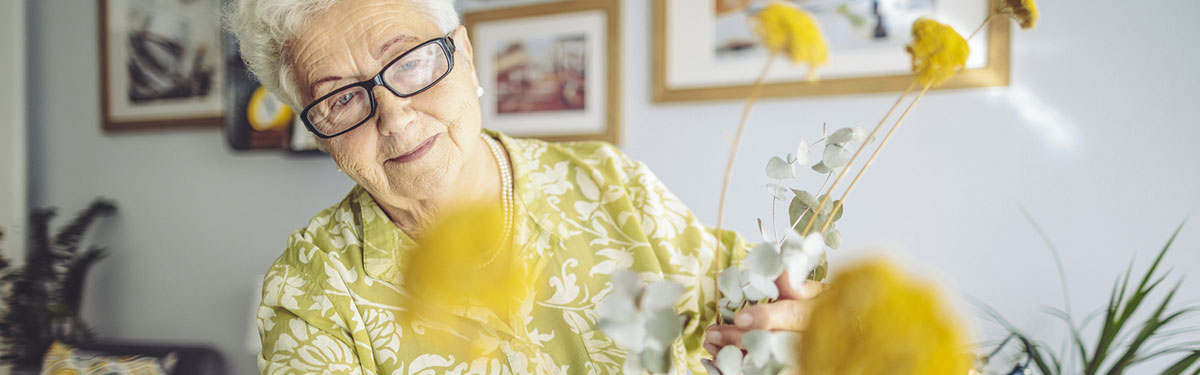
column 393, row 113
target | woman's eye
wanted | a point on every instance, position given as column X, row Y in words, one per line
column 345, row 98
column 409, row 65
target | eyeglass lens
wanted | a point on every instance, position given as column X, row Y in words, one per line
column 414, row 71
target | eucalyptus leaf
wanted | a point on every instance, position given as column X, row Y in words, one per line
column 657, row 361
column 796, row 209
column 860, row 135
column 629, row 334
column 729, row 360
column 727, row 314
column 762, row 286
column 730, row 283
column 617, row 307
column 821, row 168
column 828, row 206
column 758, row 347
column 840, row 208
column 661, row 295
column 777, row 191
column 833, row 238
column 762, row 230
column 779, row 169
column 710, row 367
column 626, row 282
column 806, row 198
column 840, row 137
column 751, row 294
column 633, row 364
column 764, row 261
column 801, row 156
column 836, row 156
column 662, row 328
column 785, row 347
column 816, row 223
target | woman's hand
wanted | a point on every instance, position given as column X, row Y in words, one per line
column 788, row 313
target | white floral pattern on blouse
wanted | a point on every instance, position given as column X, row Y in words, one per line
column 583, row 209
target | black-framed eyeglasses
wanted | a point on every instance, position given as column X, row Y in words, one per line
column 415, row 71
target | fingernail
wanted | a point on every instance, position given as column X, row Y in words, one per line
column 713, row 337
column 743, row 320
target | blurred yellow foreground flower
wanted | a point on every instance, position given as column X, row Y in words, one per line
column 938, row 52
column 461, row 263
column 874, row 320
column 788, row 30
column 1023, row 11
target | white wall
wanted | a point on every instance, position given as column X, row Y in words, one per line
column 12, row 128
column 1095, row 137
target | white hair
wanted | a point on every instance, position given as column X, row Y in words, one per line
column 264, row 29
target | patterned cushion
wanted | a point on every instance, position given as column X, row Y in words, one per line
column 62, row 359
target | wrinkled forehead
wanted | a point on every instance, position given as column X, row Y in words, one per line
column 354, row 37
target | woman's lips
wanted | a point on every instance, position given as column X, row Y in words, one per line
column 418, row 152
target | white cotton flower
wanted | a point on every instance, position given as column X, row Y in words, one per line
column 801, row 256
column 642, row 320
column 767, row 353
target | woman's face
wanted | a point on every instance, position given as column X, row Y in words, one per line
column 412, row 148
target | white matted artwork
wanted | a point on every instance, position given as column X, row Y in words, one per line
column 548, row 75
column 706, row 49
column 161, row 63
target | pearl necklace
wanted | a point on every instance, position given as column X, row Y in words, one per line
column 506, row 196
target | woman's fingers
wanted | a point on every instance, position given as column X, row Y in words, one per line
column 720, row 336
column 808, row 290
column 787, row 315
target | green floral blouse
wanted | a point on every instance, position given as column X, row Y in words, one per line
column 583, row 210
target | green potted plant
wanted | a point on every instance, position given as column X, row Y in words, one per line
column 42, row 299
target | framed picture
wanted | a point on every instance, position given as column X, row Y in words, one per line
column 707, row 50
column 550, row 71
column 254, row 118
column 160, row 63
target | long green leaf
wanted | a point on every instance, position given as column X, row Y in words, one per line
column 1075, row 337
column 1110, row 327
column 1152, row 325
column 1183, row 364
column 1036, row 354
column 1114, row 324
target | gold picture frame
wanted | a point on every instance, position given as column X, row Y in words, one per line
column 994, row 73
column 580, row 39
column 160, row 67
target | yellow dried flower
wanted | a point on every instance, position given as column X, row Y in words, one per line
column 938, row 52
column 1023, row 11
column 459, row 265
column 875, row 320
column 792, row 31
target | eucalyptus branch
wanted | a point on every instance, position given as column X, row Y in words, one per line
column 873, row 156
column 737, row 141
column 846, row 168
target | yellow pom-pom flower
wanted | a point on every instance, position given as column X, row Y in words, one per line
column 464, row 262
column 1023, row 11
column 938, row 52
column 874, row 320
column 789, row 30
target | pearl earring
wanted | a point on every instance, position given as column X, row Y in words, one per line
column 479, row 91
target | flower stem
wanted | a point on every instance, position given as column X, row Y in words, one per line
column 980, row 28
column 873, row 155
column 825, row 197
column 755, row 91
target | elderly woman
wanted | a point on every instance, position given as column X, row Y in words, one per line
column 390, row 90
